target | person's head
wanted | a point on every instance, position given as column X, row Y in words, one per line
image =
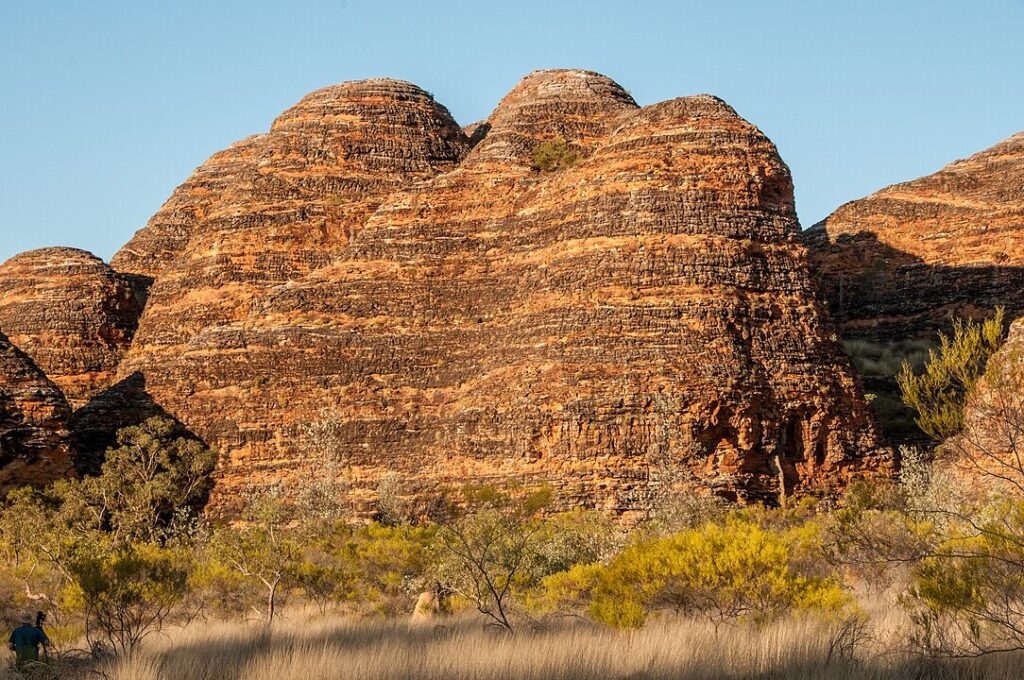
column 26, row 618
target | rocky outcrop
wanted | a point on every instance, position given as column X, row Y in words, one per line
column 71, row 313
column 163, row 238
column 34, row 437
column 464, row 318
column 902, row 261
column 897, row 265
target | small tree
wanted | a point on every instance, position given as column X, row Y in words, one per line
column 262, row 548
column 322, row 491
column 482, row 554
column 967, row 597
column 128, row 592
column 667, row 494
column 392, row 508
column 941, row 391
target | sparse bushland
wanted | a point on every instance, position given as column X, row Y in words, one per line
column 108, row 555
column 917, row 576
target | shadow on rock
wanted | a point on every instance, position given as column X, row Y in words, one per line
column 94, row 426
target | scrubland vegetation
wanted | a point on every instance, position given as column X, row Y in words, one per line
column 920, row 576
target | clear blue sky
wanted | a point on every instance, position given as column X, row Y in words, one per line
column 106, row 105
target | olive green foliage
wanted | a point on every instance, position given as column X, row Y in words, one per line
column 262, row 548
column 127, row 592
column 554, row 155
column 274, row 552
column 951, row 372
column 366, row 569
column 105, row 551
column 968, row 592
column 481, row 555
column 115, row 557
column 733, row 571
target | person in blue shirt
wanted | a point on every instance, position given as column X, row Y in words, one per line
column 25, row 641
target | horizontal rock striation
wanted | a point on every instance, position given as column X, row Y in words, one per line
column 71, row 313
column 163, row 238
column 897, row 265
column 903, row 260
column 466, row 318
column 34, row 435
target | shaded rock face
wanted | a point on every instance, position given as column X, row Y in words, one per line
column 468, row 319
column 34, row 436
column 897, row 265
column 71, row 313
column 904, row 260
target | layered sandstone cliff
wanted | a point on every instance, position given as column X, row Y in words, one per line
column 465, row 318
column 71, row 313
column 34, row 436
column 897, row 265
column 903, row 260
column 152, row 248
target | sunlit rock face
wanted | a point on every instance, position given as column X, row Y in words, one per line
column 897, row 266
column 71, row 314
column 469, row 319
column 34, row 436
column 903, row 260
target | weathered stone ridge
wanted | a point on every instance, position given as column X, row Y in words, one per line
column 310, row 184
column 471, row 320
column 71, row 313
column 300, row 189
column 34, row 436
column 902, row 261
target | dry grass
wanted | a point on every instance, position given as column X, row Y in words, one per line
column 682, row 650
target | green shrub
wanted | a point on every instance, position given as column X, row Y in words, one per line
column 553, row 155
column 129, row 591
column 736, row 571
column 968, row 595
column 940, row 392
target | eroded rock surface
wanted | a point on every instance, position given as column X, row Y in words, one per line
column 71, row 313
column 468, row 319
column 903, row 260
column 898, row 265
column 34, row 437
